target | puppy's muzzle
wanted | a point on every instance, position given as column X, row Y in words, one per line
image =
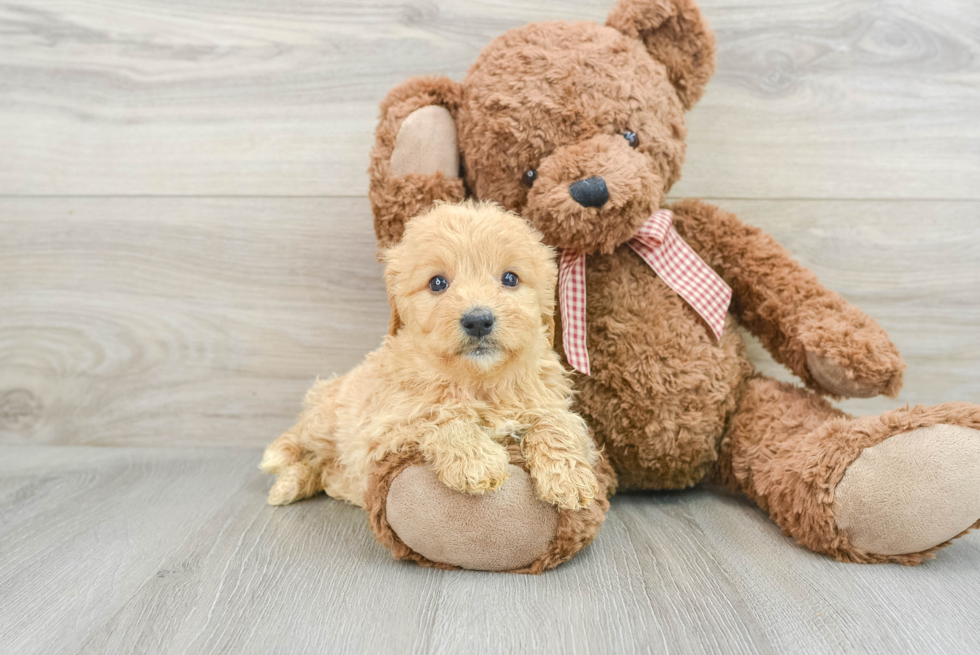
column 477, row 323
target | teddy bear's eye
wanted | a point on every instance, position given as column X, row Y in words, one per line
column 632, row 137
column 509, row 279
column 438, row 283
column 529, row 177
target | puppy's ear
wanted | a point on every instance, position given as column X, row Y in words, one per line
column 395, row 321
column 391, row 276
column 675, row 34
column 548, row 319
column 547, row 295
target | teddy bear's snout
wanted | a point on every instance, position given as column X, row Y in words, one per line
column 590, row 192
column 591, row 196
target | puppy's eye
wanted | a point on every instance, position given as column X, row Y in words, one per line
column 632, row 137
column 438, row 283
column 509, row 279
column 529, row 177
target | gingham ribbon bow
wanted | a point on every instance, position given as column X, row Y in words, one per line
column 658, row 243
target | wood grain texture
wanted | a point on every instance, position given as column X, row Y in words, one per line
column 194, row 321
column 84, row 529
column 812, row 99
column 172, row 551
column 203, row 321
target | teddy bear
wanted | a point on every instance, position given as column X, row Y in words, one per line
column 580, row 128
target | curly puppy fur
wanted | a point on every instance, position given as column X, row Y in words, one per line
column 436, row 389
column 546, row 105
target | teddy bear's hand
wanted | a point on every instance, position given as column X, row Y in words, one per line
column 839, row 381
column 426, row 144
column 471, row 463
column 415, row 161
column 854, row 358
column 564, row 480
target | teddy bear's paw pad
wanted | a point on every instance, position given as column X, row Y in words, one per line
column 835, row 378
column 503, row 531
column 426, row 144
column 912, row 491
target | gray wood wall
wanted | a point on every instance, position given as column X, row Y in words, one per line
column 186, row 243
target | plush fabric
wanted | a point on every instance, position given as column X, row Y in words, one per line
column 661, row 388
column 911, row 491
column 788, row 449
column 548, row 105
column 568, row 530
column 505, row 530
column 395, row 197
column 426, row 144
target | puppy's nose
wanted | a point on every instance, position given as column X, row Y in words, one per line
column 590, row 192
column 477, row 322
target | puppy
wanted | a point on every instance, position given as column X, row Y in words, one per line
column 467, row 362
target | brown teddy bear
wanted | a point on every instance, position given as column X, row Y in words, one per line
column 580, row 128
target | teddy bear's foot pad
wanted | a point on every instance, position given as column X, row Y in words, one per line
column 911, row 492
column 498, row 531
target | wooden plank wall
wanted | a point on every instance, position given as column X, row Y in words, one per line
column 185, row 241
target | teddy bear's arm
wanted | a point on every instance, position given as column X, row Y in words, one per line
column 415, row 158
column 829, row 343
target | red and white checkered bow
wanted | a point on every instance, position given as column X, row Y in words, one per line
column 658, row 243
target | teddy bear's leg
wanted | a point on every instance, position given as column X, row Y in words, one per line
column 420, row 519
column 889, row 488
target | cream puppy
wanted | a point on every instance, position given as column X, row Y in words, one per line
column 467, row 362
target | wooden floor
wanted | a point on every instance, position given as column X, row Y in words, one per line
column 186, row 243
column 126, row 550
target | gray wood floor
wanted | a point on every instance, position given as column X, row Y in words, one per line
column 125, row 550
column 185, row 244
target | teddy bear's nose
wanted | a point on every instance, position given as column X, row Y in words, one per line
column 590, row 192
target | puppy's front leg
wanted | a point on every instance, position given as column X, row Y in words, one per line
column 559, row 454
column 465, row 458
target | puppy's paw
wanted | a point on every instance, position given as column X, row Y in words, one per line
column 566, row 482
column 282, row 453
column 295, row 482
column 275, row 460
column 476, row 469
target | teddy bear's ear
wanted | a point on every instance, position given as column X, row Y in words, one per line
column 415, row 160
column 675, row 34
